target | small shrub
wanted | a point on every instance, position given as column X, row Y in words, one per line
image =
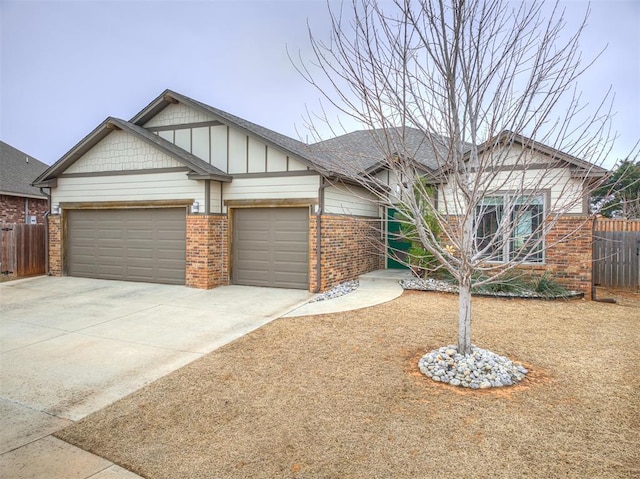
column 421, row 261
column 509, row 283
column 548, row 287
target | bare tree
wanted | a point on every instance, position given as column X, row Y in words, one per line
column 477, row 100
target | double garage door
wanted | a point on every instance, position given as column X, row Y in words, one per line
column 127, row 244
column 270, row 245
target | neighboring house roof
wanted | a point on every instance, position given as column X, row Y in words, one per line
column 17, row 171
column 199, row 168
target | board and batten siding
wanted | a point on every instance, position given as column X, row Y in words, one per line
column 350, row 200
column 227, row 148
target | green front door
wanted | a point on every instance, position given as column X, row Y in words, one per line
column 396, row 246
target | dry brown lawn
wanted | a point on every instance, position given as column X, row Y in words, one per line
column 340, row 396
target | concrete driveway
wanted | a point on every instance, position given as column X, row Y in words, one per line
column 70, row 346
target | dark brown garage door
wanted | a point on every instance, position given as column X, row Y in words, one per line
column 271, row 247
column 131, row 245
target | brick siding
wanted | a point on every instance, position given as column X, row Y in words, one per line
column 55, row 244
column 567, row 258
column 570, row 261
column 207, row 251
column 12, row 209
column 350, row 247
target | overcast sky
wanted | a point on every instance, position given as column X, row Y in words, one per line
column 67, row 65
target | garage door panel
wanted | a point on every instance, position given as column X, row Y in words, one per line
column 290, row 237
column 133, row 245
column 271, row 247
column 291, row 256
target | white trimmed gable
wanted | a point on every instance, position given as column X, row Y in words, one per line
column 120, row 151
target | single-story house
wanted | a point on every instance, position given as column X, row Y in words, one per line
column 19, row 201
column 185, row 193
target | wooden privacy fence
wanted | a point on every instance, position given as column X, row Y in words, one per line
column 616, row 254
column 22, row 249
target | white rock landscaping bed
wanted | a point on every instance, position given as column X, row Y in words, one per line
column 481, row 369
column 337, row 291
column 430, row 284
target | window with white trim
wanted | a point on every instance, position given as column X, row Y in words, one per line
column 509, row 227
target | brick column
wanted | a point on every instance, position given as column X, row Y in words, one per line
column 313, row 261
column 570, row 260
column 207, row 251
column 54, row 223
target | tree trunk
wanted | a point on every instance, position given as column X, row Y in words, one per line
column 464, row 318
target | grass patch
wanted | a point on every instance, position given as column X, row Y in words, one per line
column 340, row 396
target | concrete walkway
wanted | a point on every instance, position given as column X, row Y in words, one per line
column 375, row 288
column 71, row 346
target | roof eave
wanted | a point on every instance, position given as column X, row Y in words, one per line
column 22, row 195
column 208, row 176
column 592, row 173
column 50, row 183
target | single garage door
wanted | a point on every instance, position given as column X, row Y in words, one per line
column 271, row 247
column 131, row 245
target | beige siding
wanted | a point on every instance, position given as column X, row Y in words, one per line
column 275, row 187
column 228, row 149
column 143, row 187
column 216, row 200
column 167, row 135
column 256, row 154
column 178, row 114
column 564, row 193
column 120, row 151
column 183, row 139
column 350, row 200
column 296, row 165
column 390, row 179
column 237, row 151
column 200, row 143
column 219, row 147
column 276, row 160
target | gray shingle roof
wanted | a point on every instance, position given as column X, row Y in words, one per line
column 356, row 152
column 17, row 171
column 366, row 149
column 363, row 149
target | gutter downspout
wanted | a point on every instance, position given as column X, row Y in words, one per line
column 46, row 234
column 593, row 262
column 319, row 213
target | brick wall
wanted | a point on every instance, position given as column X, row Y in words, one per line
column 350, row 247
column 567, row 258
column 12, row 209
column 207, row 251
column 55, row 244
column 569, row 261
